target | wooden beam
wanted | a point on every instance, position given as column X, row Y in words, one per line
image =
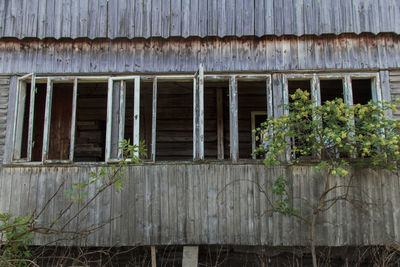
column 201, row 112
column 47, row 120
column 109, row 117
column 220, row 123
column 190, row 256
column 73, row 120
column 195, row 123
column 19, row 118
column 233, row 119
column 121, row 118
column 153, row 257
column 154, row 121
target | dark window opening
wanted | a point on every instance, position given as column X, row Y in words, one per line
column 146, row 104
column 331, row 89
column 293, row 85
column 60, row 123
column 362, row 91
column 174, row 139
column 216, row 120
column 252, row 97
column 25, row 126
column 91, row 116
column 38, row 122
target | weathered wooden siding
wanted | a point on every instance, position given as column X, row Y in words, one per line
column 345, row 52
column 394, row 78
column 4, row 87
column 209, row 204
column 155, row 18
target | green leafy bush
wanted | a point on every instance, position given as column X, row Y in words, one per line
column 333, row 134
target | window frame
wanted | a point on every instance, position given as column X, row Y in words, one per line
column 315, row 78
column 199, row 79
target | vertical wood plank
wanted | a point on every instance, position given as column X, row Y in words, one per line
column 233, row 119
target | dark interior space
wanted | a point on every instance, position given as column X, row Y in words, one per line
column 251, row 98
column 331, row 89
column 146, row 104
column 38, row 122
column 174, row 139
column 91, row 116
column 293, row 85
column 25, row 126
column 60, row 123
column 216, row 120
column 362, row 91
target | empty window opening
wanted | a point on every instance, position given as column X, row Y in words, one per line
column 174, row 138
column 251, row 98
column 331, row 89
column 293, row 85
column 216, row 120
column 60, row 123
column 38, row 121
column 146, row 100
column 91, row 122
column 362, row 91
column 25, row 126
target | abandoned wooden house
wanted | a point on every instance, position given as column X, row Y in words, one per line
column 191, row 78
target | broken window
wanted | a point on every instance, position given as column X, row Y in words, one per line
column 351, row 87
column 174, row 120
column 91, row 117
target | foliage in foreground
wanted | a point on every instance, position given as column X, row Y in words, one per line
column 17, row 232
column 333, row 134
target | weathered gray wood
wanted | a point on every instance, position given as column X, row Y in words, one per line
column 225, row 201
column 233, row 119
column 47, row 119
column 270, row 54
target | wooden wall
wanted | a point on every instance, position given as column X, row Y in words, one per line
column 4, row 87
column 209, row 204
column 177, row 55
column 395, row 89
column 149, row 18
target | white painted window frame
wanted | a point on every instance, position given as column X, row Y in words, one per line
column 121, row 121
column 315, row 78
column 199, row 78
column 233, row 103
column 18, row 118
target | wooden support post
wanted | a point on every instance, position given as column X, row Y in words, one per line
column 153, row 256
column 220, row 123
column 47, row 120
column 190, row 256
column 154, row 122
column 73, row 120
column 233, row 119
column 121, row 119
column 201, row 112
column 195, row 122
column 31, row 117
column 19, row 118
column 113, row 110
